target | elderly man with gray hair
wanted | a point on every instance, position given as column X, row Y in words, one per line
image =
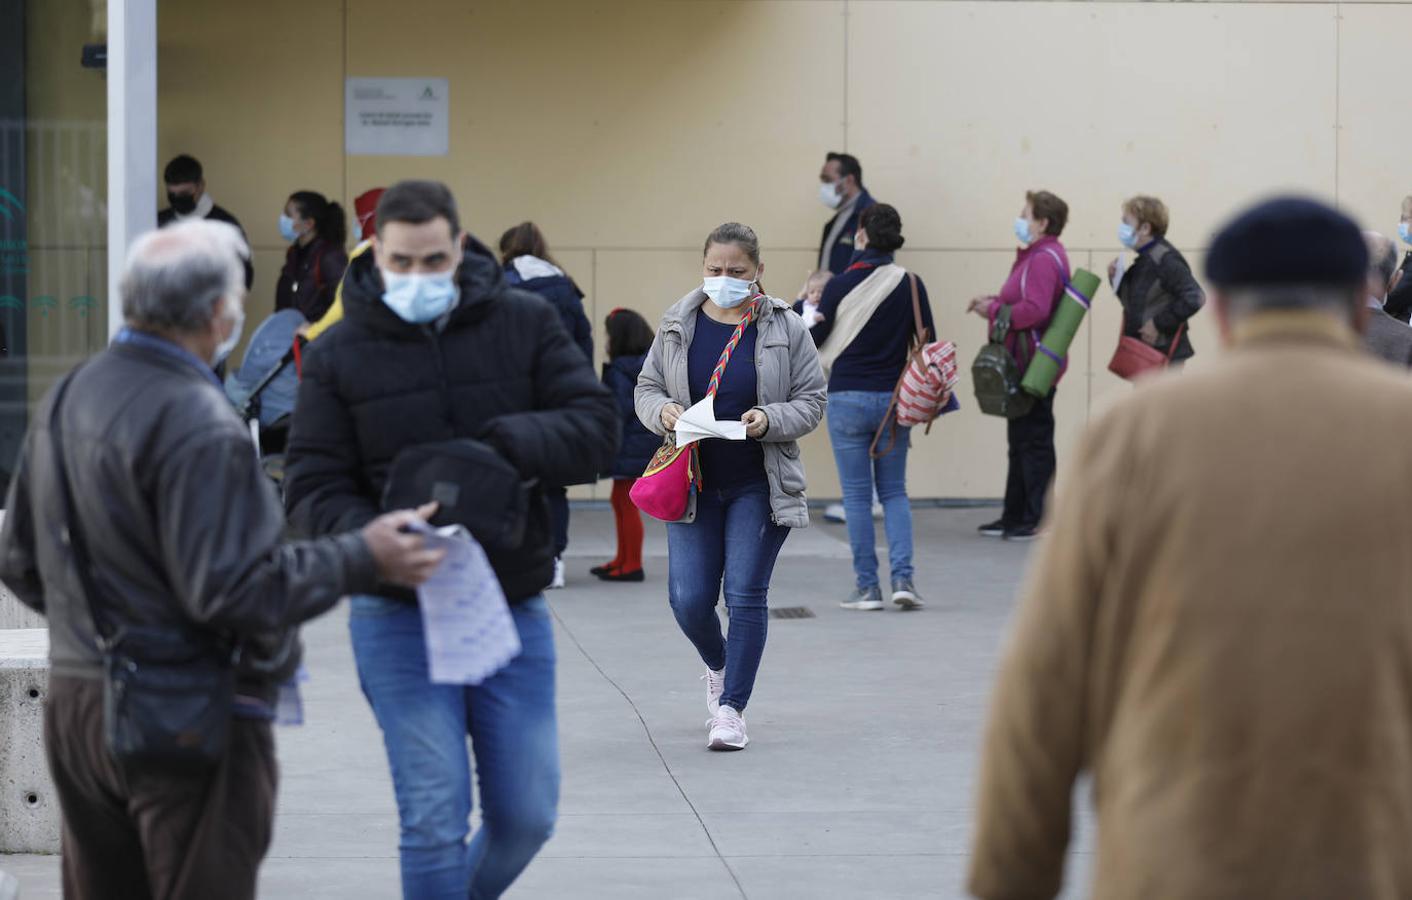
column 1386, row 337
column 1217, row 628
column 140, row 523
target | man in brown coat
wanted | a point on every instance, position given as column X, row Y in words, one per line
column 1219, row 625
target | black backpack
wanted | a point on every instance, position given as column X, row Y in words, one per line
column 996, row 375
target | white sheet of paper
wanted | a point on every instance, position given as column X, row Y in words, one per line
column 700, row 423
column 470, row 634
column 1120, row 271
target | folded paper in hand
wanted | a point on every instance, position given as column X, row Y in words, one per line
column 470, row 634
column 700, row 422
column 1119, row 271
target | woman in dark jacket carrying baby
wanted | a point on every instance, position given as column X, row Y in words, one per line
column 629, row 339
column 864, row 331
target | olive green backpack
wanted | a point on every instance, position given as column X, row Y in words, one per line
column 996, row 375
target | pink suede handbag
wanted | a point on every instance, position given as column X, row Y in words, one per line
column 664, row 490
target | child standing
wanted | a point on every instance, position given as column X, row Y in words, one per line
column 629, row 339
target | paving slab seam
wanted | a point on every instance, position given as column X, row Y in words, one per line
column 655, row 749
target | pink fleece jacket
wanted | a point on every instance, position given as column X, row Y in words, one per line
column 1032, row 292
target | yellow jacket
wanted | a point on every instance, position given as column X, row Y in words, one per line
column 335, row 311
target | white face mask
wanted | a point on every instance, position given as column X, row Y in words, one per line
column 727, row 292
column 830, row 194
column 225, row 347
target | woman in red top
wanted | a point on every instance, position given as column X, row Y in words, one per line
column 1032, row 292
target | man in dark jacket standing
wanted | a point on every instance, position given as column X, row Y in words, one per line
column 841, row 189
column 181, row 530
column 187, row 199
column 435, row 347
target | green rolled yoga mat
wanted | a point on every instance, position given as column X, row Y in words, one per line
column 1053, row 348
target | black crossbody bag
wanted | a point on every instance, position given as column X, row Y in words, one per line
column 168, row 691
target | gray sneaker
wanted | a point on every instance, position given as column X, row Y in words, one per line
column 864, row 599
column 905, row 595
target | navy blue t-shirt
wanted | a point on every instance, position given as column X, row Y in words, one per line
column 726, row 464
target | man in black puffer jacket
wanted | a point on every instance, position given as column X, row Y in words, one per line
column 430, row 351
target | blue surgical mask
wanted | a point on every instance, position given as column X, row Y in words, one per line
column 1127, row 235
column 727, row 292
column 286, row 228
column 1022, row 230
column 1404, row 231
column 420, row 298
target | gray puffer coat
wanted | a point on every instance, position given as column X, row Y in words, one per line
column 791, row 392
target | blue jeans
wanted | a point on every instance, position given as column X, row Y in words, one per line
column 854, row 417
column 511, row 722
column 733, row 540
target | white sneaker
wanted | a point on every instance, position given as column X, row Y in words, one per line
column 558, row 581
column 877, row 511
column 834, row 513
column 727, row 731
column 715, row 687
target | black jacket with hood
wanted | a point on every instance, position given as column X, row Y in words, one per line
column 500, row 368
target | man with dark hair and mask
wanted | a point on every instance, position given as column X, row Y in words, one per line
column 437, row 355
column 187, row 199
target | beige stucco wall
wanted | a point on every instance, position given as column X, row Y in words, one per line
column 629, row 129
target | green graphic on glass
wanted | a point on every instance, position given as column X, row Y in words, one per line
column 8, row 200
column 82, row 305
column 45, row 304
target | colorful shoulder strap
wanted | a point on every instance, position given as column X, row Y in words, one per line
column 751, row 312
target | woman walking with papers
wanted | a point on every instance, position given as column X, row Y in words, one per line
column 735, row 370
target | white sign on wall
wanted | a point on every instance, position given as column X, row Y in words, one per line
column 397, row 117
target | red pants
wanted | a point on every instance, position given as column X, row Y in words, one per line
column 629, row 522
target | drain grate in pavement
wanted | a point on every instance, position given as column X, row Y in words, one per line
column 792, row 612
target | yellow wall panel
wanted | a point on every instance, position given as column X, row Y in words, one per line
column 255, row 91
column 1373, row 173
column 958, row 108
column 619, row 124
column 628, row 130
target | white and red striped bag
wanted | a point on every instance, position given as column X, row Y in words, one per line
column 925, row 389
column 926, row 384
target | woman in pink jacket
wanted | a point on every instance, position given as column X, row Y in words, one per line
column 1032, row 292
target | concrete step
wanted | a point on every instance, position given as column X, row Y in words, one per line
column 29, row 807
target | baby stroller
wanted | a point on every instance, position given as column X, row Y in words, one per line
column 265, row 386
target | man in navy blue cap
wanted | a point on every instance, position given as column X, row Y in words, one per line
column 1219, row 626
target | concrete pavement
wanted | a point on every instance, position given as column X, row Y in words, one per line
column 865, row 731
